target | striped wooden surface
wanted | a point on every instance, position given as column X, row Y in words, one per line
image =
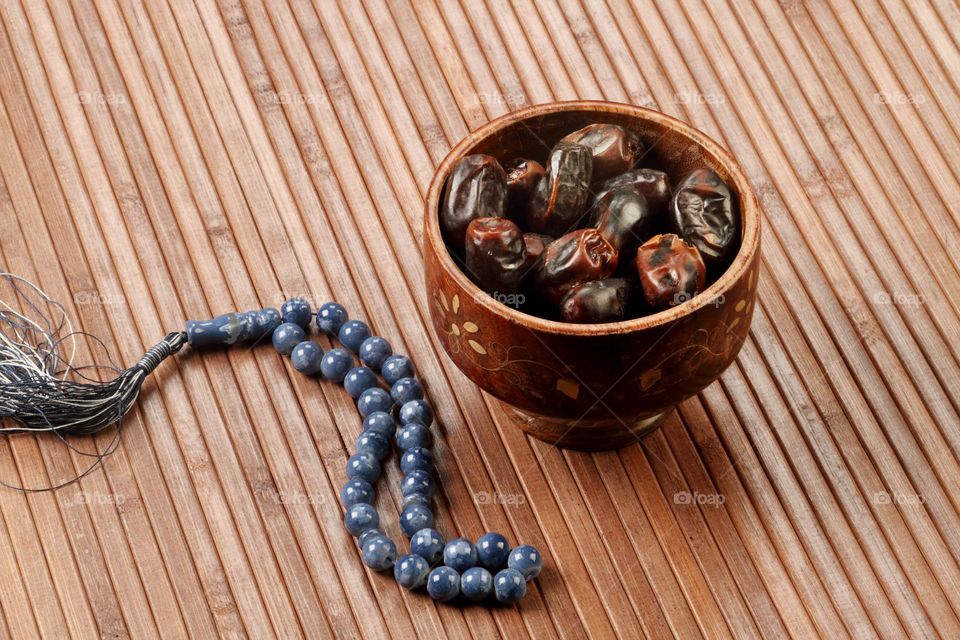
column 168, row 160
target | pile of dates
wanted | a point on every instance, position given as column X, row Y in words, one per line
column 588, row 236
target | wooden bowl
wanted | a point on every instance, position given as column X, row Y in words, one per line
column 593, row 386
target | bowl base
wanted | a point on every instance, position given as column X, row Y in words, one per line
column 594, row 435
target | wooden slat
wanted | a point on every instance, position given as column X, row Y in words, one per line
column 170, row 160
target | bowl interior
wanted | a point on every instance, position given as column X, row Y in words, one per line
column 670, row 145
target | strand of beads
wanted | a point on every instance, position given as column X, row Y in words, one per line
column 480, row 572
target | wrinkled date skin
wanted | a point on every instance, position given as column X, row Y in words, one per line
column 614, row 149
column 496, row 255
column 670, row 271
column 703, row 213
column 578, row 257
column 622, row 217
column 652, row 184
column 597, row 301
column 476, row 188
column 561, row 194
column 522, row 178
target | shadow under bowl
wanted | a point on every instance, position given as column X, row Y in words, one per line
column 593, row 386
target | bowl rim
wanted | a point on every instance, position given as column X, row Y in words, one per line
column 749, row 216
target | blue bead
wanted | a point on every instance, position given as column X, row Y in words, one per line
column 459, row 554
column 225, row 330
column 358, row 380
column 306, row 358
column 416, row 411
column 373, row 351
column 373, row 443
column 297, row 311
column 411, row 571
column 493, row 550
column 443, row 584
column 356, row 490
column 416, row 459
column 427, row 543
column 476, row 584
column 265, row 322
column 414, row 436
column 372, row 400
column 249, row 328
column 271, row 318
column 379, row 553
column 527, row 560
column 363, row 466
column 330, row 317
column 416, row 498
column 287, row 336
column 335, row 364
column 360, row 517
column 414, row 518
column 380, row 422
column 352, row 334
column 396, row 367
column 406, row 389
column 509, row 586
column 418, row 482
column 366, row 535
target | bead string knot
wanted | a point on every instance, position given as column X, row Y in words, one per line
column 171, row 344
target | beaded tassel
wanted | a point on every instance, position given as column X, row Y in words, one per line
column 36, row 394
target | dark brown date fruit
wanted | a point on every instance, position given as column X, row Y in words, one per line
column 536, row 244
column 496, row 255
column 651, row 184
column 580, row 256
column 670, row 271
column 622, row 216
column 614, row 149
column 561, row 194
column 522, row 178
column 703, row 213
column 476, row 188
column 596, row 301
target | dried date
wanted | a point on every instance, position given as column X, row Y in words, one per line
column 477, row 188
column 622, row 216
column 561, row 194
column 536, row 244
column 703, row 213
column 579, row 256
column 522, row 178
column 614, row 148
column 597, row 301
column 670, row 271
column 496, row 255
column 652, row 184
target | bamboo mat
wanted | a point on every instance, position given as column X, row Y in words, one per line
column 170, row 160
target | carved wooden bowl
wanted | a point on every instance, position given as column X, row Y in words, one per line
column 593, row 386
